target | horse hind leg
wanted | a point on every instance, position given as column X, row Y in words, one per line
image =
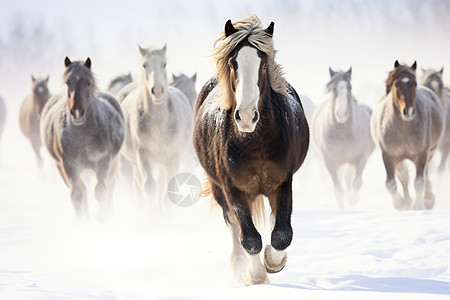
column 445, row 150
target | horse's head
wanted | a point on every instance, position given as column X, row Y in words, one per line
column 433, row 80
column 154, row 76
column 185, row 84
column 402, row 84
column 40, row 93
column 341, row 90
column 246, row 70
column 80, row 86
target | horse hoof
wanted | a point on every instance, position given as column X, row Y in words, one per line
column 281, row 238
column 252, row 245
column 274, row 260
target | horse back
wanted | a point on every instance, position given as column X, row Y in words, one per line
column 204, row 92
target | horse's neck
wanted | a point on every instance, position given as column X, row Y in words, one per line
column 148, row 106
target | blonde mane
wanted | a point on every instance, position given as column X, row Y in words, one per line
column 250, row 29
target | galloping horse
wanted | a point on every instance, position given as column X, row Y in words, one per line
column 83, row 129
column 407, row 123
column 187, row 86
column 341, row 131
column 251, row 136
column 30, row 113
column 158, row 121
column 432, row 79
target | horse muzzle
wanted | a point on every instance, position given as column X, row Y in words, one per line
column 246, row 121
column 408, row 113
column 78, row 116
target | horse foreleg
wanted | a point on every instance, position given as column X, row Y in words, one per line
column 274, row 260
column 338, row 190
column 77, row 190
column 104, row 187
column 36, row 144
column 391, row 184
column 420, row 180
column 403, row 176
column 249, row 237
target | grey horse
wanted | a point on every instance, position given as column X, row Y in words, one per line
column 407, row 124
column 432, row 79
column 83, row 129
column 341, row 132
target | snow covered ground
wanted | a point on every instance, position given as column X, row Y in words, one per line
column 368, row 251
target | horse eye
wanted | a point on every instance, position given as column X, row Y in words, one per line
column 165, row 65
column 145, row 66
column 265, row 67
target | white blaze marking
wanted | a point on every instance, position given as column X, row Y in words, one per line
column 247, row 90
column 341, row 108
column 405, row 79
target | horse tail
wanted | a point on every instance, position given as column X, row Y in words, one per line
column 258, row 211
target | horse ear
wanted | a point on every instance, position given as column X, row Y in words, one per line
column 142, row 51
column 194, row 78
column 349, row 72
column 33, row 79
column 269, row 30
column 414, row 65
column 164, row 48
column 87, row 63
column 229, row 28
column 174, row 77
column 46, row 79
column 442, row 70
column 67, row 62
column 331, row 71
column 396, row 64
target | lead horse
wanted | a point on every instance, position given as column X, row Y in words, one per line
column 407, row 124
column 251, row 136
column 84, row 130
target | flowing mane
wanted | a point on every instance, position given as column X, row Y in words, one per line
column 398, row 72
column 247, row 29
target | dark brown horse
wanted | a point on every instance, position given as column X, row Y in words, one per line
column 251, row 136
column 30, row 113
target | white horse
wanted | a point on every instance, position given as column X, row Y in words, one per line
column 158, row 121
column 341, row 132
column 432, row 79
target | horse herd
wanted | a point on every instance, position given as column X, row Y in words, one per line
column 248, row 129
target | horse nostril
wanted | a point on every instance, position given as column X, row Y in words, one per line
column 405, row 112
column 81, row 112
column 237, row 116
column 72, row 111
column 255, row 117
column 153, row 91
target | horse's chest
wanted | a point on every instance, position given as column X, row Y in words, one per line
column 263, row 177
column 402, row 140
